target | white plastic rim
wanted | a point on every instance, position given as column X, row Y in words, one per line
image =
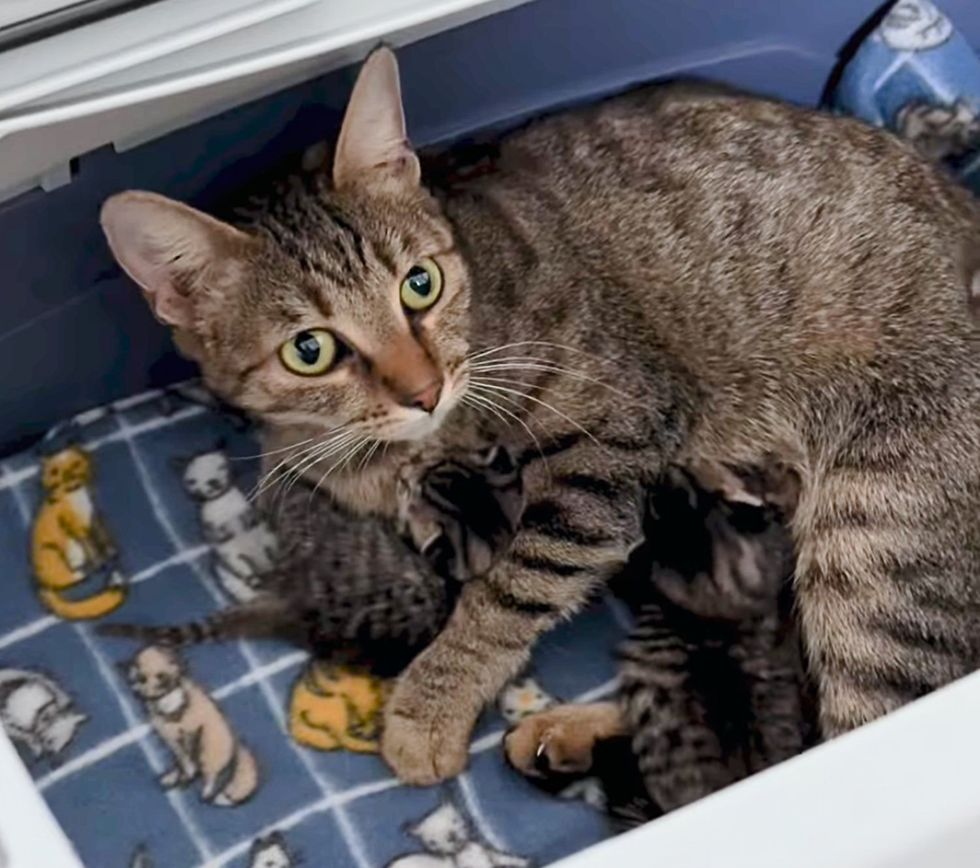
column 50, row 66
column 317, row 29
column 900, row 792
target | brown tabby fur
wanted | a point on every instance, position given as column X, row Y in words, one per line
column 728, row 278
column 711, row 685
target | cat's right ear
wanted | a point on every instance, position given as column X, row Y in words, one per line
column 174, row 252
column 372, row 149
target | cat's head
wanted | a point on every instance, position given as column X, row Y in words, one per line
column 207, row 475
column 66, row 470
column 344, row 305
column 443, row 832
column 270, row 851
column 155, row 671
column 522, row 698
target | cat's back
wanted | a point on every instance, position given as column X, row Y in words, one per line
column 737, row 225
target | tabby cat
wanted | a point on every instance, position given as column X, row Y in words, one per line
column 675, row 274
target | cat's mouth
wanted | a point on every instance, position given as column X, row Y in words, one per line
column 419, row 424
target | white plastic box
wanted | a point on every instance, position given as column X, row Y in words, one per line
column 901, row 793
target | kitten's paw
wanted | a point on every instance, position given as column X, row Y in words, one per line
column 561, row 739
column 423, row 745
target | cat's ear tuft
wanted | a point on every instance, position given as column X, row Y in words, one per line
column 171, row 250
column 373, row 148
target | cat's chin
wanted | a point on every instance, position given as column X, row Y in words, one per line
column 418, row 429
column 422, row 425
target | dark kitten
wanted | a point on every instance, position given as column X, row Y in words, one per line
column 349, row 586
column 711, row 676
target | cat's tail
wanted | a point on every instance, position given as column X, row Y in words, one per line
column 261, row 618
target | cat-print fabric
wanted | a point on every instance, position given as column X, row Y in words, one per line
column 243, row 754
column 917, row 75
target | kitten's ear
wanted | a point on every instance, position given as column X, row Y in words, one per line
column 373, row 149
column 172, row 251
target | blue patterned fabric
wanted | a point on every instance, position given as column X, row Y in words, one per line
column 67, row 698
column 918, row 76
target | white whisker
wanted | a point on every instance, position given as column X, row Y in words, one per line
column 482, row 384
column 267, row 479
column 549, row 367
column 335, row 446
column 303, row 457
column 367, row 455
column 495, row 407
column 339, row 462
column 549, row 344
column 272, row 451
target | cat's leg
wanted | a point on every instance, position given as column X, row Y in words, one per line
column 677, row 749
column 183, row 772
column 576, row 531
column 768, row 660
column 889, row 564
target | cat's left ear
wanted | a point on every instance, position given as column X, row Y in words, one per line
column 175, row 253
column 373, row 149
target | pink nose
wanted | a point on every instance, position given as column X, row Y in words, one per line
column 427, row 398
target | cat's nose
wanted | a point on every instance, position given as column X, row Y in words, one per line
column 426, row 398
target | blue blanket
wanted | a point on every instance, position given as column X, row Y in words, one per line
column 916, row 74
column 237, row 755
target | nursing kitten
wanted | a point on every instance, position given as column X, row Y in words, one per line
column 675, row 274
column 711, row 685
column 349, row 587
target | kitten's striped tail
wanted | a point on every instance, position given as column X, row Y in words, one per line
column 263, row 617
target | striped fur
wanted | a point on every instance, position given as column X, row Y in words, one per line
column 675, row 274
column 711, row 675
column 348, row 586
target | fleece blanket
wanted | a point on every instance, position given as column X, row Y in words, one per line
column 244, row 754
column 916, row 74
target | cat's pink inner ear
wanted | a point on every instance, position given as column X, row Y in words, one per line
column 373, row 147
column 167, row 248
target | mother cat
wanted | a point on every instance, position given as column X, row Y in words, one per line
column 756, row 280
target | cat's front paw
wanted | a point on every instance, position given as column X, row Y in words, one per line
column 424, row 742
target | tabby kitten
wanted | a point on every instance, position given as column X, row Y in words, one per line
column 348, row 587
column 674, row 274
column 711, row 675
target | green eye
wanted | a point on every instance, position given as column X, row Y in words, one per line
column 421, row 286
column 309, row 353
